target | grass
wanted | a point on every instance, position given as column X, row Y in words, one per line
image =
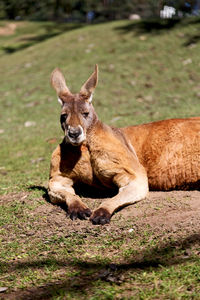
column 156, row 73
column 145, row 75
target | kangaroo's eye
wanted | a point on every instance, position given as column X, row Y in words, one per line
column 85, row 114
column 63, row 118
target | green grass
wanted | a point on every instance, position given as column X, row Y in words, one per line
column 144, row 76
column 140, row 81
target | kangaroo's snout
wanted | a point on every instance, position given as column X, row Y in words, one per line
column 74, row 132
column 75, row 135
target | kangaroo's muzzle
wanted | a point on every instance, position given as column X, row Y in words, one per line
column 75, row 135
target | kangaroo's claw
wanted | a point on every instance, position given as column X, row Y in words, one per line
column 100, row 216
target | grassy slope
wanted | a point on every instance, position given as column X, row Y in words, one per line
column 144, row 76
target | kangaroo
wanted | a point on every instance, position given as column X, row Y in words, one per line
column 162, row 155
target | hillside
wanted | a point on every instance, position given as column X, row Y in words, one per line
column 149, row 70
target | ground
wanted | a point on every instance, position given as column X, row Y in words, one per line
column 8, row 29
column 148, row 71
column 170, row 218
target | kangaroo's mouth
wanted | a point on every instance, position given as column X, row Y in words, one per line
column 75, row 141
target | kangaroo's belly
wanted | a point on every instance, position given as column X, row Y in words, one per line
column 174, row 169
column 170, row 152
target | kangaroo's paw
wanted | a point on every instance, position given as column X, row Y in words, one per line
column 100, row 216
column 78, row 210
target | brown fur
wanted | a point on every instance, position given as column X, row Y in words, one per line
column 170, row 152
column 167, row 152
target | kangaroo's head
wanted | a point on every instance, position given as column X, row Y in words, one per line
column 77, row 114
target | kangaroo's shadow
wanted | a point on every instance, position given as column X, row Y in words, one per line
column 45, row 195
column 82, row 190
column 40, row 188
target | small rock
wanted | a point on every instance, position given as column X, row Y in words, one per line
column 29, row 123
column 181, row 35
column 142, row 38
column 111, row 67
column 140, row 100
column 1, row 131
column 193, row 45
column 28, row 65
column 111, row 278
column 188, row 252
column 80, row 38
column 7, row 93
column 3, row 289
column 37, row 160
column 30, row 233
column 131, row 230
column 187, row 61
column 149, row 98
column 132, row 82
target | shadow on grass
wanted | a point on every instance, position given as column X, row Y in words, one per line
column 40, row 188
column 159, row 26
column 51, row 30
column 194, row 39
column 155, row 26
column 45, row 196
column 166, row 255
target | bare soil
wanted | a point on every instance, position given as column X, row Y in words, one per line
column 8, row 29
column 163, row 211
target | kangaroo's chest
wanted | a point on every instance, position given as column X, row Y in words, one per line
column 81, row 165
column 75, row 164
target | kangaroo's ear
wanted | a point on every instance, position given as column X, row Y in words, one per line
column 58, row 82
column 89, row 86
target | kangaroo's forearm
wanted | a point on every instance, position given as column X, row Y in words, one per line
column 60, row 191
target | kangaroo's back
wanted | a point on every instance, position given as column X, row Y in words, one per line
column 170, row 152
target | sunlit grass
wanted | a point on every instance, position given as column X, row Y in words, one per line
column 144, row 76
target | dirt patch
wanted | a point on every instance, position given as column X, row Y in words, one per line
column 163, row 211
column 8, row 29
column 167, row 210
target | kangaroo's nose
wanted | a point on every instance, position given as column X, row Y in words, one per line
column 74, row 132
